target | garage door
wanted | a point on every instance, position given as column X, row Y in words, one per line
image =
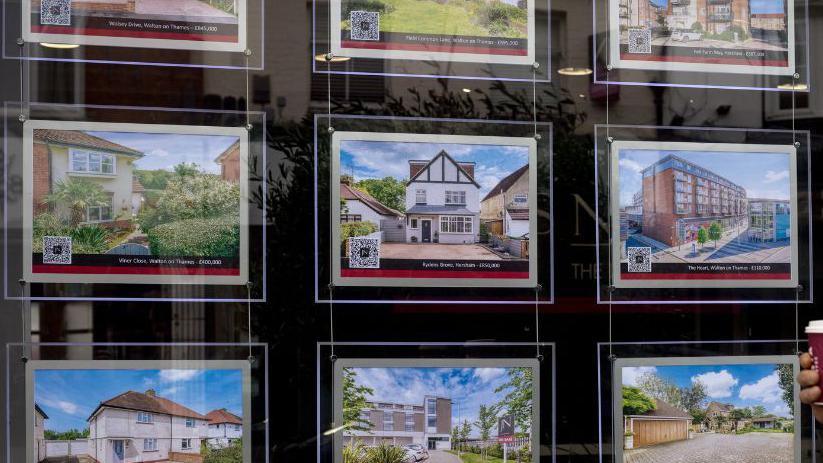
column 650, row 432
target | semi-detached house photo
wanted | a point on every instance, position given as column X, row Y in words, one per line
column 427, row 203
column 125, row 416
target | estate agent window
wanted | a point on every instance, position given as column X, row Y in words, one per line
column 150, row 444
column 456, row 224
column 96, row 163
column 143, row 417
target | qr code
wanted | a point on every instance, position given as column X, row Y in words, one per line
column 640, row 41
column 640, row 259
column 55, row 12
column 57, row 250
column 365, row 25
column 364, row 253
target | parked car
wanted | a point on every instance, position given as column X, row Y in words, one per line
column 411, row 455
column 421, row 452
column 685, row 35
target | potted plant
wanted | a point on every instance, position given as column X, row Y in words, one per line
column 629, row 440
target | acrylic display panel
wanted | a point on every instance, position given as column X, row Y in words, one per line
column 697, row 43
column 115, row 198
column 427, row 389
column 198, row 33
column 420, row 206
column 702, row 400
column 470, row 40
column 137, row 401
column 703, row 215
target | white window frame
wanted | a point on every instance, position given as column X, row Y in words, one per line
column 414, row 224
column 99, row 210
column 455, row 198
column 417, row 195
column 85, row 157
column 190, row 420
column 183, row 443
column 237, row 427
column 467, row 222
column 150, row 444
column 145, row 418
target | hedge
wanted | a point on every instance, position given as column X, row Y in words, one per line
column 214, row 237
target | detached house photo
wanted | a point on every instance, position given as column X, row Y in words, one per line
column 421, row 201
column 100, row 416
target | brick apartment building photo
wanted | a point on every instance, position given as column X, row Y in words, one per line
column 713, row 16
column 398, row 424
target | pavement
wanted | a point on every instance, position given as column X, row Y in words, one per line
column 440, row 456
column 436, row 251
column 728, row 250
column 186, row 8
column 754, row 447
column 752, row 44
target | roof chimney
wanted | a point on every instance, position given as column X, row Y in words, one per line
column 151, row 393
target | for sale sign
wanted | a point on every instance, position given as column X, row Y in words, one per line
column 505, row 429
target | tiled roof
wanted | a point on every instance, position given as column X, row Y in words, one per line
column 520, row 213
column 40, row 411
column 719, row 407
column 136, row 186
column 349, row 193
column 234, row 146
column 82, row 139
column 667, row 410
column 507, row 182
column 139, row 401
column 223, row 416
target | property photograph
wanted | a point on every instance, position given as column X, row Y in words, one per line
column 412, row 209
column 136, row 205
column 719, row 213
column 693, row 413
column 496, row 31
column 138, row 415
column 217, row 25
column 708, row 35
column 435, row 414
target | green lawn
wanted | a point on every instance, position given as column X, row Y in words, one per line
column 475, row 458
column 443, row 17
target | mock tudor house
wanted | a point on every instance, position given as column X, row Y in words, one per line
column 427, row 424
column 359, row 206
column 39, row 433
column 64, row 155
column 144, row 427
column 505, row 208
column 225, row 428
column 442, row 201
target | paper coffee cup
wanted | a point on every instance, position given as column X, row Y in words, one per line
column 815, row 334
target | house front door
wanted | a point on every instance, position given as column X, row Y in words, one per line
column 118, row 451
column 426, row 231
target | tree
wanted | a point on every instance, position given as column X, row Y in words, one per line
column 455, row 437
column 702, row 236
column 518, row 399
column 693, row 397
column 715, row 232
column 77, row 195
column 785, row 375
column 231, row 454
column 185, row 169
column 486, row 419
column 658, row 388
column 758, row 411
column 71, row 434
column 636, row 402
column 388, row 190
column 698, row 415
column 697, row 27
column 465, row 430
column 354, row 401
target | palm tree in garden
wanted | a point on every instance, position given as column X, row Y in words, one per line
column 78, row 195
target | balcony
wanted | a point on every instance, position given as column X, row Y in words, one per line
column 719, row 2
column 681, row 2
column 720, row 17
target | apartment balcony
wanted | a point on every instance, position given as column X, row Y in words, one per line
column 681, row 2
column 720, row 17
column 719, row 2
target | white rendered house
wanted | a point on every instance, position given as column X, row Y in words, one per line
column 39, row 433
column 442, row 201
column 224, row 428
column 360, row 206
column 143, row 427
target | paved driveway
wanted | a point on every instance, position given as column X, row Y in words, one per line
column 753, row 447
column 439, row 456
column 436, row 251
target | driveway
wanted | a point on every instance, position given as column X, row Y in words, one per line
column 181, row 8
column 440, row 456
column 67, row 459
column 436, row 251
column 754, row 447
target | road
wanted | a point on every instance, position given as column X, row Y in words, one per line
column 753, row 447
column 440, row 456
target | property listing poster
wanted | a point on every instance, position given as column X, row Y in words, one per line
column 135, row 203
column 207, row 25
column 703, row 215
column 433, row 210
column 480, row 31
column 721, row 36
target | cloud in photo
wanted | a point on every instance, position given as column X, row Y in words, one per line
column 766, row 389
column 632, row 374
column 719, row 384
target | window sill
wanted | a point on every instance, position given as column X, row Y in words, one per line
column 91, row 174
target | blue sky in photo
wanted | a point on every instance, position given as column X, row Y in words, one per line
column 69, row 396
column 745, row 385
column 468, row 388
column 763, row 175
column 379, row 159
column 757, row 6
column 166, row 150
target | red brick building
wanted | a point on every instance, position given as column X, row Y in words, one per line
column 680, row 197
column 229, row 162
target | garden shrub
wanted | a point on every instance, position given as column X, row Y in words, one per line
column 495, row 450
column 501, row 18
column 47, row 224
column 91, row 238
column 365, row 5
column 231, row 454
column 210, row 237
column 191, row 197
column 385, row 453
column 352, row 229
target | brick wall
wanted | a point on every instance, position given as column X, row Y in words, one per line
column 42, row 176
column 658, row 207
column 177, row 457
column 231, row 165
